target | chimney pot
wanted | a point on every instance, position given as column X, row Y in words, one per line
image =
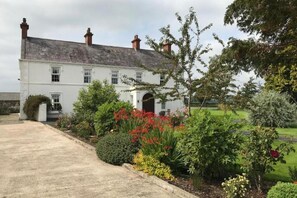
column 136, row 43
column 167, row 47
column 88, row 37
column 24, row 26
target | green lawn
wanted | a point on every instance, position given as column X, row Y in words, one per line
column 281, row 172
column 244, row 115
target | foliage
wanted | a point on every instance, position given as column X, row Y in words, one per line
column 83, row 129
column 64, row 121
column 116, row 148
column 162, row 145
column 273, row 52
column 180, row 66
column 32, row 104
column 293, row 173
column 236, row 187
column 210, row 144
column 272, row 109
column 218, row 83
column 104, row 118
column 244, row 96
column 154, row 133
column 281, row 190
column 259, row 156
column 4, row 109
column 152, row 166
column 91, row 98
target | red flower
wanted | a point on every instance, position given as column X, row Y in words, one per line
column 274, row 153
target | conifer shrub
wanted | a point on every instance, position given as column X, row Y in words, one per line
column 116, row 148
column 32, row 104
column 272, row 109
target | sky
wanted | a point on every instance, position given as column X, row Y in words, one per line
column 113, row 22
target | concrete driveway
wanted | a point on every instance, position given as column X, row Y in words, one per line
column 36, row 161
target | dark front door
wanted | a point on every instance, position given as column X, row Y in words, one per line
column 148, row 103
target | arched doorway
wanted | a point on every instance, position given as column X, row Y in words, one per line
column 148, row 103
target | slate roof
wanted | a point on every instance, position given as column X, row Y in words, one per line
column 72, row 52
column 9, row 96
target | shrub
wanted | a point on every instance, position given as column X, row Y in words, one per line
column 64, row 121
column 32, row 104
column 281, row 190
column 4, row 109
column 259, row 156
column 236, row 187
column 116, row 148
column 152, row 166
column 83, row 129
column 104, row 118
column 162, row 145
column 91, row 98
column 293, row 173
column 272, row 109
column 210, row 144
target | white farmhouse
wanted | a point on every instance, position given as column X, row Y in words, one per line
column 59, row 69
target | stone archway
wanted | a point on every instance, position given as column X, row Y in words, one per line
column 148, row 103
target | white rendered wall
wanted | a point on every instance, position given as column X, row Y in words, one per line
column 35, row 79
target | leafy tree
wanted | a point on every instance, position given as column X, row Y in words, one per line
column 179, row 66
column 246, row 93
column 91, row 98
column 272, row 54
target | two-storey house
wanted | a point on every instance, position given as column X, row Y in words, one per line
column 59, row 69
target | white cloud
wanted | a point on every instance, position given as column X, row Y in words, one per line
column 113, row 22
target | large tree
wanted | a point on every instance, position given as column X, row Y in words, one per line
column 271, row 50
column 183, row 63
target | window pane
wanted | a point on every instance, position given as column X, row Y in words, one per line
column 138, row 76
column 87, row 75
column 55, row 74
column 114, row 77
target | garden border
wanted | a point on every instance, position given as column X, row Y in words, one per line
column 151, row 179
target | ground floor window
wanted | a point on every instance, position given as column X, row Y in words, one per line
column 163, row 105
column 56, row 103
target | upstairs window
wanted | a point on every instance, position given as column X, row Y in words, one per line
column 114, row 77
column 87, row 75
column 56, row 102
column 55, row 74
column 162, row 78
column 139, row 76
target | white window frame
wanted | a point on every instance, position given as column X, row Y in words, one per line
column 87, row 75
column 114, row 77
column 55, row 100
column 55, row 77
column 139, row 76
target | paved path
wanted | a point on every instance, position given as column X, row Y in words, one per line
column 36, row 161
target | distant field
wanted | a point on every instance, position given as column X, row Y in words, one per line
column 244, row 115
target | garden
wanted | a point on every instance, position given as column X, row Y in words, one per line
column 211, row 153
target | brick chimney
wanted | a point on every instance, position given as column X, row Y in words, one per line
column 88, row 37
column 24, row 26
column 136, row 43
column 167, row 47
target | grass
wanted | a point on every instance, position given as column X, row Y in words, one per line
column 281, row 172
column 244, row 115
